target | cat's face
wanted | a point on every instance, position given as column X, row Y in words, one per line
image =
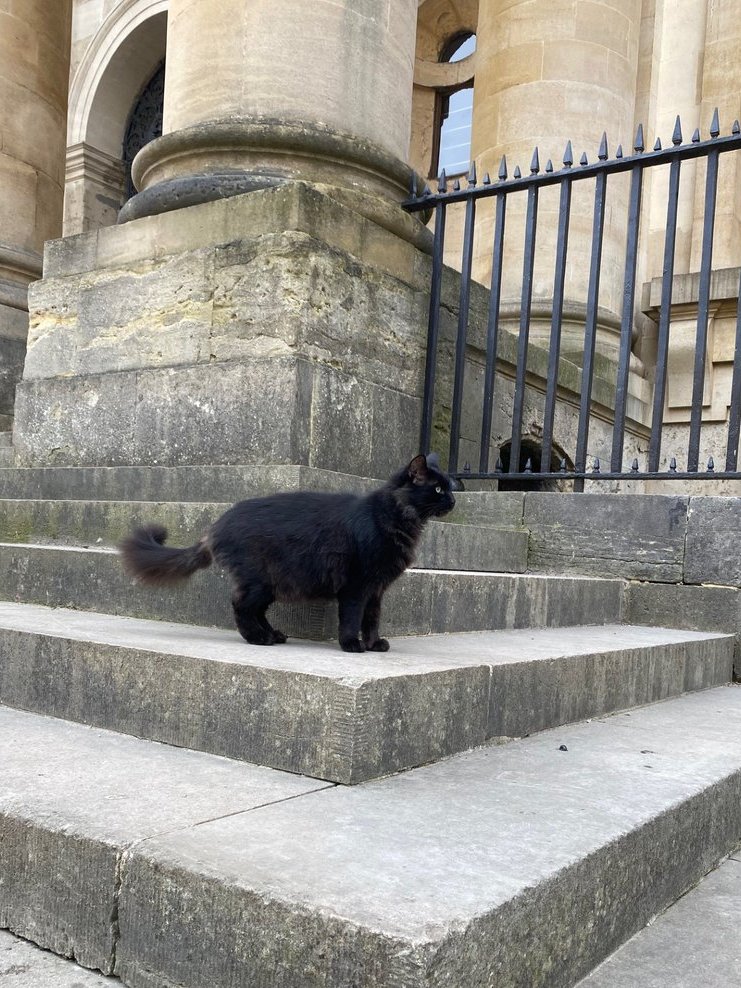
column 430, row 489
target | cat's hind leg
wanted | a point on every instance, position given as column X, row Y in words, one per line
column 249, row 604
column 370, row 623
column 350, row 612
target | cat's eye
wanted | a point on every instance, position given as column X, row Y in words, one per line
column 438, row 489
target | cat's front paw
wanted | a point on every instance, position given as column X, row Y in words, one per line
column 352, row 645
column 379, row 645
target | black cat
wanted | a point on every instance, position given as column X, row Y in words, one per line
column 307, row 546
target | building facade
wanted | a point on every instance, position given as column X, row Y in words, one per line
column 178, row 103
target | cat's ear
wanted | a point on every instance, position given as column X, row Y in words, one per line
column 433, row 462
column 417, row 470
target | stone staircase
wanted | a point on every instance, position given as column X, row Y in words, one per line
column 180, row 808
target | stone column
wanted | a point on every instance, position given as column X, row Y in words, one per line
column 721, row 88
column 34, row 71
column 258, row 93
column 548, row 71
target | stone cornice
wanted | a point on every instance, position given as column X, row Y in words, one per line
column 85, row 161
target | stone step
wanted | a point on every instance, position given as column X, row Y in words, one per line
column 421, row 602
column 694, row 943
column 311, row 709
column 225, row 484
column 7, row 453
column 24, row 965
column 444, row 545
column 522, row 864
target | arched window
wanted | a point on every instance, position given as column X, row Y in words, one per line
column 144, row 123
column 452, row 150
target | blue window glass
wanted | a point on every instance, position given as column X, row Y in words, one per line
column 454, row 152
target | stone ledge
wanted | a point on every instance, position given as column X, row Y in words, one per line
column 421, row 602
column 310, row 709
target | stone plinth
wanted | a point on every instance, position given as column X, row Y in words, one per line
column 278, row 327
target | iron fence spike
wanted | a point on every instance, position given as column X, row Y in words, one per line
column 736, row 129
column 657, row 145
column 456, row 185
column 673, row 465
column 535, row 162
column 503, row 168
column 634, row 466
column 487, row 180
column 549, row 166
column 568, row 156
column 529, row 466
column 639, row 144
column 715, row 124
column 466, row 467
column 442, row 182
column 518, row 173
column 584, row 160
column 619, row 152
column 595, row 465
column 562, row 465
column 711, row 465
column 602, row 153
column 696, row 136
column 472, row 174
column 498, row 468
column 677, row 134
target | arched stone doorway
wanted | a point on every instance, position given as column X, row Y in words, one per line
column 111, row 100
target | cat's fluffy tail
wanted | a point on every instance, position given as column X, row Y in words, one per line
column 145, row 556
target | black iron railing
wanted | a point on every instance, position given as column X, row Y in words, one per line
column 599, row 171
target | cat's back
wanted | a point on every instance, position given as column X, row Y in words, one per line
column 295, row 515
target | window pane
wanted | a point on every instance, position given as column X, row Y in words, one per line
column 455, row 134
column 467, row 47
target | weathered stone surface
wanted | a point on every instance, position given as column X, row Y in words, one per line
column 563, row 678
column 283, row 274
column 419, row 603
column 695, row 942
column 309, row 708
column 23, row 965
column 305, row 708
column 473, row 547
column 270, row 410
column 713, row 549
column 522, row 601
column 94, row 523
column 63, row 829
column 206, row 483
column 504, row 508
column 637, row 537
column 12, row 352
column 425, row 879
column 697, row 608
column 692, row 607
column 443, row 546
